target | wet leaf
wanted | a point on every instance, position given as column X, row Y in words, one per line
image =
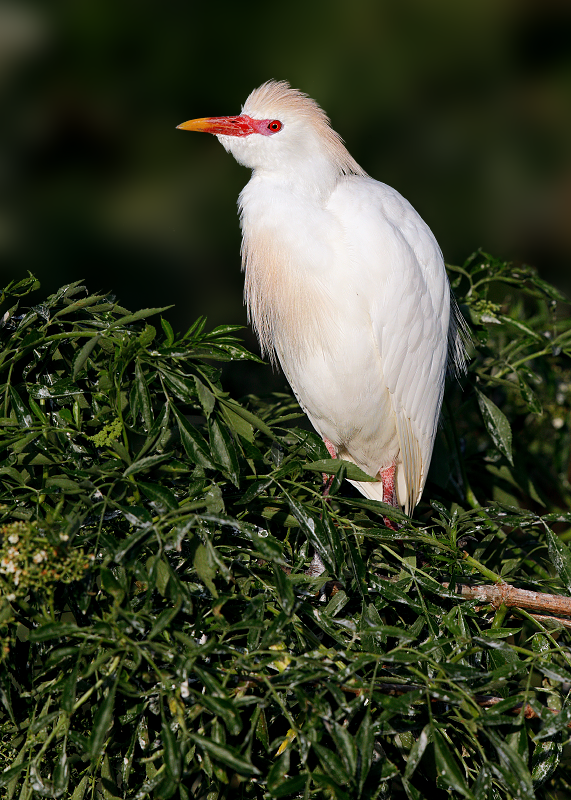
column 560, row 556
column 331, row 466
column 225, row 754
column 497, row 425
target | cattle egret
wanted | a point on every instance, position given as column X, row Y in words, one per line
column 345, row 285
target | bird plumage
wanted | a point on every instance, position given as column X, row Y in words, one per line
column 346, row 286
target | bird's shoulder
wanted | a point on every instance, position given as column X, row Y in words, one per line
column 369, row 205
column 364, row 193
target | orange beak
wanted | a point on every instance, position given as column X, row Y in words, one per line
column 225, row 126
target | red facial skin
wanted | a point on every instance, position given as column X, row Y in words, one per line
column 233, row 126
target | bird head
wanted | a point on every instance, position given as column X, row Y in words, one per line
column 281, row 130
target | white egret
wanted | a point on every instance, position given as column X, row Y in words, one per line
column 345, row 285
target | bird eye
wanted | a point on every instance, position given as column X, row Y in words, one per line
column 274, row 126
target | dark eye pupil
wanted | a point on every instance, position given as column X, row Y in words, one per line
column 274, row 126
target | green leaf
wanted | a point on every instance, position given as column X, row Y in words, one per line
column 36, row 409
column 164, row 619
column 225, row 754
column 549, row 289
column 169, row 333
column 111, row 585
column 394, row 594
column 278, row 771
column 290, row 787
column 252, row 419
column 238, row 424
column 331, row 786
column 68, row 689
column 181, row 386
column 159, row 494
column 44, row 721
column 554, row 671
column 346, row 747
column 128, row 319
column 545, row 760
column 224, row 450
column 262, row 730
column 417, row 751
column 205, row 567
column 194, row 444
column 448, row 770
column 529, row 397
column 560, row 556
column 515, row 769
column 60, row 775
column 332, row 764
column 25, row 419
column 144, row 403
column 225, row 709
column 365, row 741
column 82, row 355
column 381, row 509
column 483, row 785
column 205, row 396
column 62, row 388
column 313, row 529
column 101, row 723
column 80, row 789
column 331, row 466
column 497, row 425
column 64, row 484
column 284, row 589
column 9, row 774
column 172, row 754
column 144, row 464
column 335, row 547
column 255, row 489
column 53, row 630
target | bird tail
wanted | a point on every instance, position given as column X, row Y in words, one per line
column 373, row 490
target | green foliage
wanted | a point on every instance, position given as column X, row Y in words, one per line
column 171, row 643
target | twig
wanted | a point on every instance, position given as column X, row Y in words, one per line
column 512, row 597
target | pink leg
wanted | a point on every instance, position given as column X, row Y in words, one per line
column 330, row 449
column 389, row 488
column 328, row 479
column 389, row 492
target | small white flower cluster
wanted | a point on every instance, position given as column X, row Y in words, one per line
column 29, row 562
column 9, row 565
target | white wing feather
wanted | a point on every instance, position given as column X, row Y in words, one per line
column 409, row 300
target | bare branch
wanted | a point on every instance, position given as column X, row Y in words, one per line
column 511, row 597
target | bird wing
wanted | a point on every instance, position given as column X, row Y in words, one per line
column 398, row 261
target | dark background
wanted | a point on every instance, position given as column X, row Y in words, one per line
column 464, row 107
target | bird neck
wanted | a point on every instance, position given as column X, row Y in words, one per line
column 313, row 178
